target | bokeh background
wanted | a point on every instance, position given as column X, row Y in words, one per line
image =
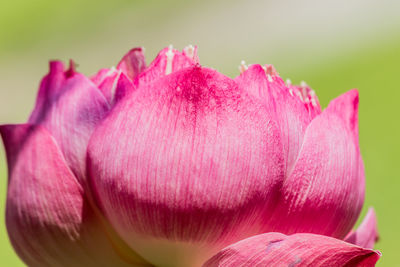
column 332, row 45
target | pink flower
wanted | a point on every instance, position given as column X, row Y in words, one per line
column 175, row 164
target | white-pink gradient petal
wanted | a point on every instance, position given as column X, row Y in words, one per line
column 69, row 106
column 48, row 219
column 324, row 192
column 187, row 165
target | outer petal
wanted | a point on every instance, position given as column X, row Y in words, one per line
column 186, row 165
column 169, row 60
column 290, row 111
column 325, row 191
column 124, row 87
column 69, row 106
column 367, row 233
column 275, row 249
column 48, row 219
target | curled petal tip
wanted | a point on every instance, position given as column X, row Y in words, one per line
column 133, row 63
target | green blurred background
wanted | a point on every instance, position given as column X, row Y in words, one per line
column 332, row 45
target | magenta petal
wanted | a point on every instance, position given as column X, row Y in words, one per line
column 186, row 161
column 133, row 63
column 69, row 107
column 290, row 112
column 48, row 219
column 254, row 81
column 276, row 249
column 169, row 60
column 367, row 233
column 324, row 192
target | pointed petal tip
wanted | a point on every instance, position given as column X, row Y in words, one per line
column 124, row 87
column 13, row 136
column 267, row 69
column 367, row 233
column 336, row 167
column 256, row 68
column 139, row 50
column 345, row 107
column 349, row 98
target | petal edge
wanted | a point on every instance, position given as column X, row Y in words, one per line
column 275, row 249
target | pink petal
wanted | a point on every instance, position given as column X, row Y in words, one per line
column 48, row 219
column 254, row 81
column 307, row 97
column 133, row 63
column 276, row 249
column 123, row 87
column 346, row 107
column 69, row 106
column 187, row 164
column 114, row 85
column 324, row 192
column 367, row 233
column 99, row 77
column 290, row 111
column 109, row 84
column 169, row 60
column 130, row 66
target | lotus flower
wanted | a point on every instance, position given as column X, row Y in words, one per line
column 175, row 164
